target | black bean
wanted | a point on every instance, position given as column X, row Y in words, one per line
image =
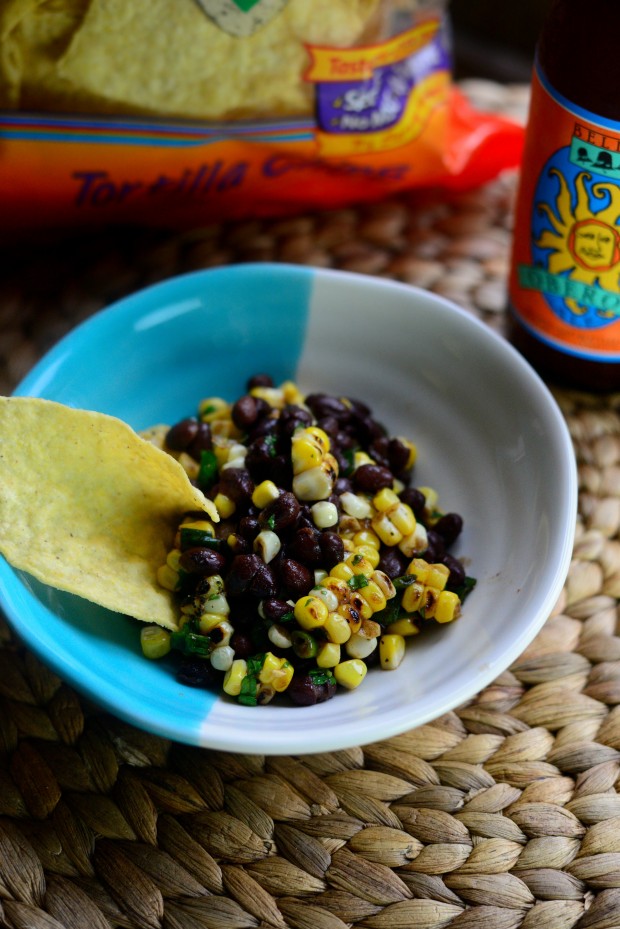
column 295, row 577
column 263, row 583
column 245, row 412
column 456, row 578
column 280, row 514
column 241, row 573
column 358, row 407
column 291, row 418
column 304, row 691
column 436, row 547
column 332, row 549
column 264, row 426
column 242, row 645
column 259, row 380
column 237, row 484
column 203, row 561
column 371, row 478
column 275, row 609
column 202, row 441
column 398, row 455
column 325, row 405
column 305, row 546
column 392, row 562
column 182, row 434
column 449, row 527
column 198, row 672
column 369, row 430
column 343, row 485
column 248, row 528
column 330, row 425
column 415, row 499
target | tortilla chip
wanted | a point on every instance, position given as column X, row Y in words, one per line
column 170, row 58
column 89, row 507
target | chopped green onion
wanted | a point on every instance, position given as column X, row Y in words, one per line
column 207, row 473
column 304, row 645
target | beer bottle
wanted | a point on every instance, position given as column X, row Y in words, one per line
column 564, row 290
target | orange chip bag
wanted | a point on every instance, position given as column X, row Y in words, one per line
column 176, row 112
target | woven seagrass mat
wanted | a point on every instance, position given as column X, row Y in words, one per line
column 503, row 814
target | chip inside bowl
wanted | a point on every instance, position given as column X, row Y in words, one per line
column 89, row 507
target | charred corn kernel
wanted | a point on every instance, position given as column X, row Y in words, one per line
column 276, row 672
column 328, row 655
column 225, row 506
column 264, row 493
column 405, row 626
column 154, row 641
column 324, row 514
column 350, row 603
column 373, row 595
column 209, row 621
column 315, row 483
column 358, row 646
column 437, row 576
column 234, row 677
column 221, row 634
column 222, row 657
column 310, row 612
column 369, row 629
column 320, row 436
column 267, row 544
column 212, row 408
column 391, row 651
column 412, row 597
column 448, row 607
column 355, row 505
column 307, row 449
column 415, row 543
column 212, row 598
column 167, row 577
column 264, row 695
column 337, row 629
column 279, row 636
column 384, row 582
column 359, row 564
column 350, row 673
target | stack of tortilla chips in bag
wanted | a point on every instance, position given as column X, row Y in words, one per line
column 177, row 112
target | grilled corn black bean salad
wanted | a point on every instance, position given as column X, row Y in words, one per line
column 326, row 560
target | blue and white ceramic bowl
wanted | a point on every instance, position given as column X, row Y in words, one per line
column 491, row 441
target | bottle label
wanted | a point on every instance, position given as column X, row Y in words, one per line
column 565, row 274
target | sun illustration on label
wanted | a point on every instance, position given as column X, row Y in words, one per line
column 585, row 246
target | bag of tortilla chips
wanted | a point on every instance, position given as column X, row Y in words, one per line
column 177, row 112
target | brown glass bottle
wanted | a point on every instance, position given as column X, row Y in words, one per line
column 565, row 271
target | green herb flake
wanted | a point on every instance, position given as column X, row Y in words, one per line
column 357, row 558
column 207, row 472
column 270, row 442
column 321, row 675
column 271, row 522
column 287, row 617
column 466, row 588
column 358, row 581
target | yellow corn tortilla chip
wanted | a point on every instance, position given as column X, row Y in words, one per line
column 169, row 58
column 89, row 507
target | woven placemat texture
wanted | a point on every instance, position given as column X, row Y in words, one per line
column 503, row 814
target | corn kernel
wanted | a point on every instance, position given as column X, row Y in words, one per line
column 373, row 595
column 403, row 518
column 234, row 677
column 328, row 655
column 384, row 500
column 419, row 568
column 222, row 657
column 358, row 646
column 367, row 538
column 337, row 629
column 384, row 582
column 369, row 553
column 271, row 395
column 320, row 436
column 264, row 493
column 361, row 458
column 279, row 636
column 342, row 571
column 431, row 498
column 391, row 651
column 267, row 544
column 355, row 505
column 324, row 514
column 328, row 597
column 405, row 626
column 291, row 393
column 313, row 484
column 154, row 641
column 167, row 577
column 225, row 506
column 276, row 672
column 359, row 565
column 385, row 529
column 350, row 673
column 209, row 621
column 415, row 543
column 212, row 408
column 310, row 612
column 448, row 607
column 437, row 575
column 412, row 597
